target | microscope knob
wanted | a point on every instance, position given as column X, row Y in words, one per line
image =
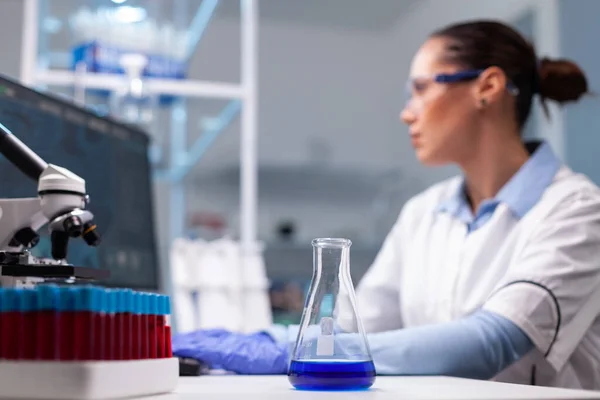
column 90, row 234
column 26, row 237
column 73, row 226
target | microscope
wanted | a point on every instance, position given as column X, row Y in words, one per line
column 60, row 206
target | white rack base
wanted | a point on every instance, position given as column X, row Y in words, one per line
column 87, row 380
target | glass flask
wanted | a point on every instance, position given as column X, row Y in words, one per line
column 331, row 350
column 133, row 103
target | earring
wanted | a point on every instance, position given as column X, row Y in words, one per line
column 483, row 102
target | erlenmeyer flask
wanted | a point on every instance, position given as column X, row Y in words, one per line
column 331, row 351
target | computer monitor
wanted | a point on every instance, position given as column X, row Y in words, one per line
column 113, row 160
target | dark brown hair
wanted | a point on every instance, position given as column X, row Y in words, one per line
column 482, row 44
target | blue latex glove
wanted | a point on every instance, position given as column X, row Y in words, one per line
column 247, row 354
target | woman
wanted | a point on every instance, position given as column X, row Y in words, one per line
column 493, row 274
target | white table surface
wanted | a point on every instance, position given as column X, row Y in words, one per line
column 396, row 388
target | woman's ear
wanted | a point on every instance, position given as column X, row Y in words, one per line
column 489, row 87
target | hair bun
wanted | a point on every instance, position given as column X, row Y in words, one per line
column 561, row 80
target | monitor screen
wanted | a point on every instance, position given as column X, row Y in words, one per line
column 113, row 160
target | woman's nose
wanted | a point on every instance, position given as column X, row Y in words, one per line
column 407, row 115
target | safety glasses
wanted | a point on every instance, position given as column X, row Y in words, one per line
column 417, row 86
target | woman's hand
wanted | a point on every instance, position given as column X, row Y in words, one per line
column 249, row 354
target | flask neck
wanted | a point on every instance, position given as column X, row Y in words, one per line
column 331, row 257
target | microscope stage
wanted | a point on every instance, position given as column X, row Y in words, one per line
column 54, row 271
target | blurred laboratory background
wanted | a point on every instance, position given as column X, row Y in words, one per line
column 218, row 138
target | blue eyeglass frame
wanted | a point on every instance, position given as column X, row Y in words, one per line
column 467, row 75
column 459, row 76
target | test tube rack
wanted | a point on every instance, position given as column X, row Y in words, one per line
column 84, row 343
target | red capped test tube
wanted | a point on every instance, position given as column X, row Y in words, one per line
column 47, row 323
column 9, row 324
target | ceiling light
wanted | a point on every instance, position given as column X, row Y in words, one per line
column 126, row 14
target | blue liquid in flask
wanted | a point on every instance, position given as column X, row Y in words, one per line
column 331, row 375
column 338, row 359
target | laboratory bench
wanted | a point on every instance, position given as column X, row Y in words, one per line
column 393, row 388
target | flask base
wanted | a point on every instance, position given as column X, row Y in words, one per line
column 331, row 375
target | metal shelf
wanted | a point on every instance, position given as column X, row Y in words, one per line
column 35, row 72
column 183, row 88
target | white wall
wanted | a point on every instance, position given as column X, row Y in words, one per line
column 582, row 139
column 11, row 19
column 322, row 103
column 313, row 82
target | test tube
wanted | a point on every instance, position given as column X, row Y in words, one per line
column 66, row 323
column 47, row 335
column 136, row 328
column 160, row 326
column 99, row 352
column 153, row 326
column 127, row 325
column 27, row 326
column 109, row 325
column 85, row 307
column 119, row 324
column 168, row 351
column 9, row 326
column 2, row 324
column 145, row 303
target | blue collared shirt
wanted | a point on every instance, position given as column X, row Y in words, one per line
column 520, row 193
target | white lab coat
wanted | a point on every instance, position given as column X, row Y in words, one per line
column 542, row 272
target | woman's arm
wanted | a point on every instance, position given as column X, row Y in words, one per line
column 479, row 347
